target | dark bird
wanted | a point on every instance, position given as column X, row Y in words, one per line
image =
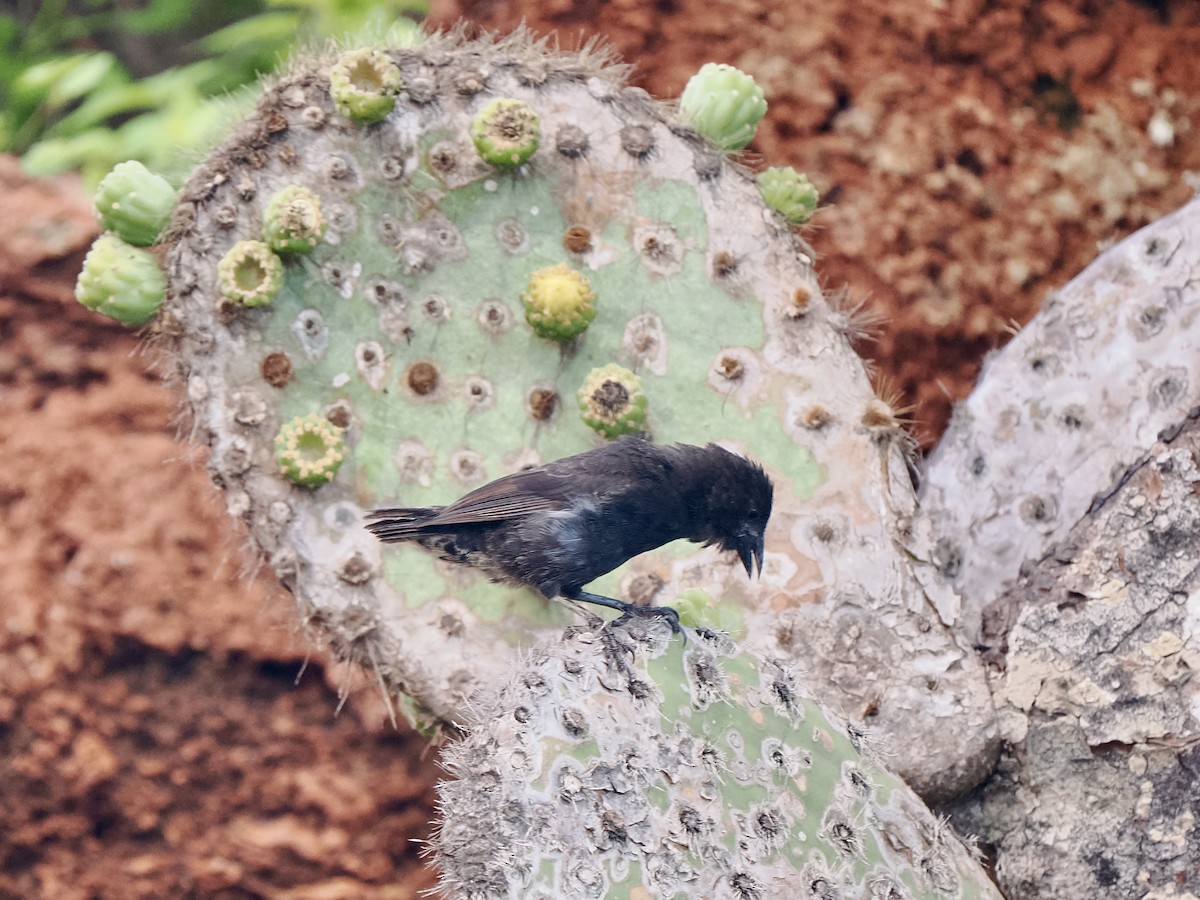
column 557, row 527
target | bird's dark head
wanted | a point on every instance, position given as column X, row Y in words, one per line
column 736, row 505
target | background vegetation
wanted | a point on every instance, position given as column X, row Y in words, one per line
column 85, row 84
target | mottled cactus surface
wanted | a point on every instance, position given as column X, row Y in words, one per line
column 1072, row 402
column 626, row 764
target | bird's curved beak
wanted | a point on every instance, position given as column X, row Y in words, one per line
column 750, row 552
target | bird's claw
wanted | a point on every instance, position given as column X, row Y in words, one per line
column 663, row 612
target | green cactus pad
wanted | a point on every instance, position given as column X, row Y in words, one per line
column 506, row 132
column 122, row 282
column 612, row 402
column 698, row 609
column 724, row 104
column 293, row 222
column 364, row 83
column 134, row 203
column 250, row 274
column 309, row 450
column 789, row 193
column 558, row 303
column 625, row 762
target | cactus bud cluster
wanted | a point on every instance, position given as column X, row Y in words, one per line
column 134, row 203
column 558, row 303
column 122, row 282
column 364, row 84
column 789, row 193
column 506, row 132
column 612, row 402
column 724, row 104
column 309, row 450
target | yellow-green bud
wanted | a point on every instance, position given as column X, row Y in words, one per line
column 134, row 203
column 789, row 193
column 558, row 303
column 121, row 282
column 506, row 132
column 309, row 449
column 293, row 222
column 612, row 402
column 724, row 104
column 250, row 274
column 364, row 84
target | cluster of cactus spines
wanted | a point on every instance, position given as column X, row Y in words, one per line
column 626, row 763
column 724, row 104
column 403, row 327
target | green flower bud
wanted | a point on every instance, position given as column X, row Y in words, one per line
column 612, row 402
column 250, row 274
column 724, row 104
column 789, row 193
column 558, row 303
column 121, row 282
column 364, row 84
column 309, row 450
column 293, row 222
column 506, row 132
column 134, row 203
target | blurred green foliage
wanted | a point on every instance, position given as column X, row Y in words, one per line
column 85, row 84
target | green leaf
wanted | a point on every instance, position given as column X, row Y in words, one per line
column 59, row 81
column 275, row 29
column 156, row 16
column 49, row 157
column 102, row 106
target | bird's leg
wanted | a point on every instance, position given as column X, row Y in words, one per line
column 628, row 610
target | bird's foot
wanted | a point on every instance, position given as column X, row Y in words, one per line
column 628, row 610
column 663, row 612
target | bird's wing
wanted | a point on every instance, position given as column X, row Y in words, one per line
column 511, row 497
column 548, row 488
column 555, row 485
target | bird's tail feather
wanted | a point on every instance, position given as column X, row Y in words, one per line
column 398, row 524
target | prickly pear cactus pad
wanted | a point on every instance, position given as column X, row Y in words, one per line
column 438, row 276
column 1047, row 433
column 626, row 764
